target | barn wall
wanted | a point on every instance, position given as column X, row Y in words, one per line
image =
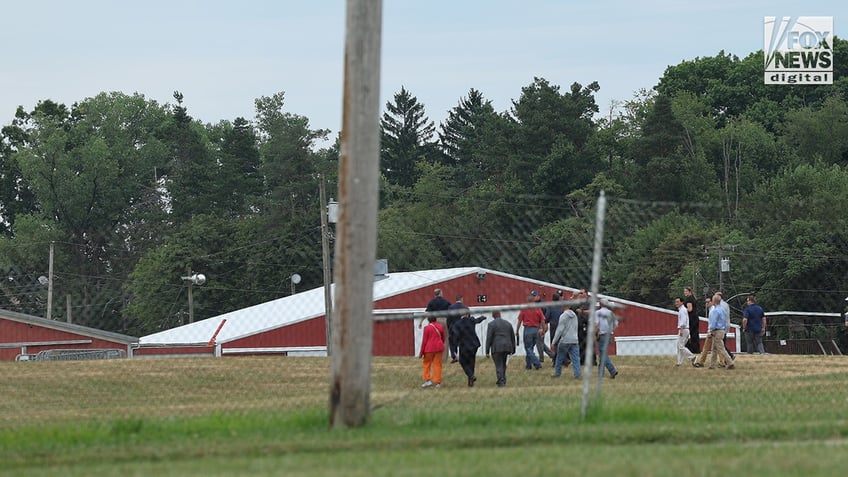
column 491, row 291
column 306, row 333
column 389, row 338
column 393, row 338
column 19, row 332
column 172, row 351
column 398, row 338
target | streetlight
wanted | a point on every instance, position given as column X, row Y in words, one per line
column 194, row 279
column 295, row 279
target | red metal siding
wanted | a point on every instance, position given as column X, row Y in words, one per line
column 497, row 290
column 397, row 338
column 306, row 333
column 174, row 350
column 19, row 332
column 393, row 338
column 389, row 338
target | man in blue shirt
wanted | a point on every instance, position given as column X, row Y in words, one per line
column 754, row 325
column 717, row 327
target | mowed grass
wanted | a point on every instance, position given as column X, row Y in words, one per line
column 773, row 415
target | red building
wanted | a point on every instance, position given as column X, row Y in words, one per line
column 23, row 337
column 295, row 325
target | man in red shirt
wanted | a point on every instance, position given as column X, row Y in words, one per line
column 534, row 328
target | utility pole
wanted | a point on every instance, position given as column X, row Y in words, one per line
column 50, row 284
column 356, row 240
column 723, row 262
column 325, row 258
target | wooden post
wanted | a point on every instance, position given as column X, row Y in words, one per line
column 50, row 284
column 356, row 244
column 325, row 260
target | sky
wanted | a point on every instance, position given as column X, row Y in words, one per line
column 223, row 55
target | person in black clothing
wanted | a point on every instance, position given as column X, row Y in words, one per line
column 552, row 314
column 500, row 343
column 465, row 332
column 582, row 311
column 438, row 303
column 451, row 321
column 694, row 343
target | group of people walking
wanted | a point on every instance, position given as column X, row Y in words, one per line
column 461, row 334
column 567, row 323
column 718, row 313
column 567, row 327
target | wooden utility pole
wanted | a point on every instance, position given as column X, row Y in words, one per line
column 50, row 284
column 356, row 244
column 325, row 261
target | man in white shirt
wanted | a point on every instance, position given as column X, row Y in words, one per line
column 683, row 333
column 604, row 326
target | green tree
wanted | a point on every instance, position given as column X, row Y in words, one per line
column 644, row 266
column 241, row 185
column 16, row 197
column 90, row 171
column 552, row 129
column 464, row 135
column 191, row 170
column 407, row 135
column 418, row 231
column 289, row 164
column 819, row 132
column 798, row 237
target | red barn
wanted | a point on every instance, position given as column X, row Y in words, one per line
column 23, row 337
column 295, row 325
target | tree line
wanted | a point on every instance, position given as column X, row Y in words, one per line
column 710, row 163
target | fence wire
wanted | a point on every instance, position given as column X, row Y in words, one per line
column 792, row 261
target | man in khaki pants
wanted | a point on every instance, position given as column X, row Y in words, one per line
column 719, row 322
column 708, row 343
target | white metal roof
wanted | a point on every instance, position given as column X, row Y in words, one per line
column 296, row 308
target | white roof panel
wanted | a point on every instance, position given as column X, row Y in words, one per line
column 292, row 309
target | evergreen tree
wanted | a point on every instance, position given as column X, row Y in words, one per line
column 406, row 139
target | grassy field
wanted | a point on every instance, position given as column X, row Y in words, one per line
column 773, row 415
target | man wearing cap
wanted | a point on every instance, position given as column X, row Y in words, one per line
column 542, row 348
column 534, row 327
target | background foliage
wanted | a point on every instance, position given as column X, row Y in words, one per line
column 711, row 162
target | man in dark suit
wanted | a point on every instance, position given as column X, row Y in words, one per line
column 465, row 331
column 453, row 345
column 438, row 303
column 500, row 343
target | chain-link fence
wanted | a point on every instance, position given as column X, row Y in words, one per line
column 518, row 253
